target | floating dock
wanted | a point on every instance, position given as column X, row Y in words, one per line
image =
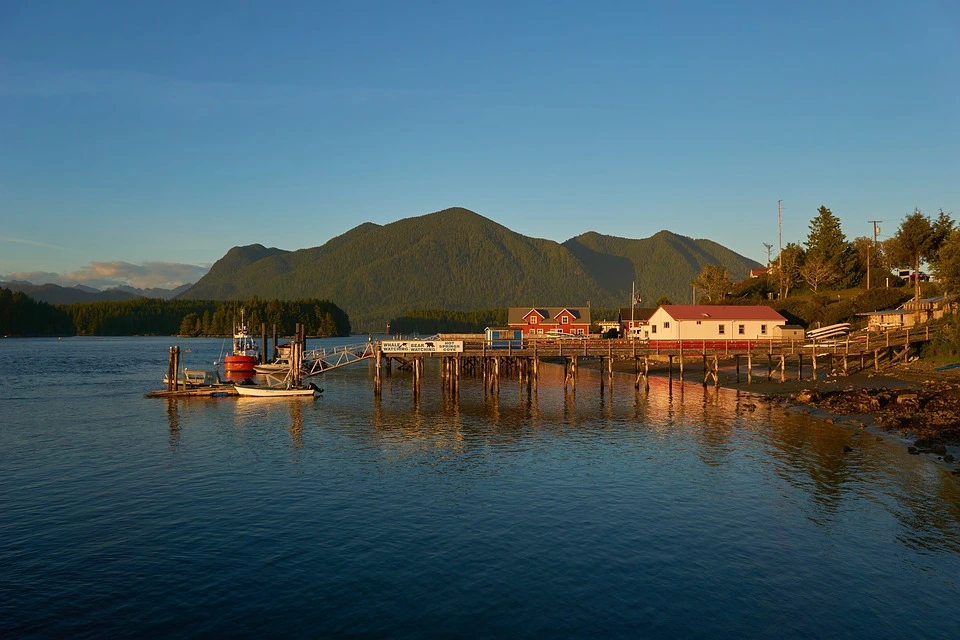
column 218, row 391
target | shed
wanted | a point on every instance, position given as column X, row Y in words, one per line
column 788, row 332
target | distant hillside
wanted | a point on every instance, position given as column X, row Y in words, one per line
column 155, row 292
column 55, row 294
column 457, row 259
column 663, row 265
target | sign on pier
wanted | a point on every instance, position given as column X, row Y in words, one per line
column 422, row 346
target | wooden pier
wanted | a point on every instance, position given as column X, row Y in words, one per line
column 490, row 361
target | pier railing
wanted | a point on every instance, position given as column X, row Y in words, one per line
column 851, row 345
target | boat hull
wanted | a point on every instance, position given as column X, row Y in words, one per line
column 239, row 363
column 254, row 391
column 272, row 368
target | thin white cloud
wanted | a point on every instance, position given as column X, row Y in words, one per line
column 32, row 243
column 28, row 80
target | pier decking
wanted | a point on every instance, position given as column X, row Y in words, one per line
column 472, row 354
column 491, row 360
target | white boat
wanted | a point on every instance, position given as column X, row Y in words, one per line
column 261, row 391
column 280, row 365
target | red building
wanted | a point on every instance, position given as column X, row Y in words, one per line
column 540, row 321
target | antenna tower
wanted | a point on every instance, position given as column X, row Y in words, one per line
column 780, row 231
column 873, row 223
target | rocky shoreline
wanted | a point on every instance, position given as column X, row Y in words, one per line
column 911, row 401
column 921, row 405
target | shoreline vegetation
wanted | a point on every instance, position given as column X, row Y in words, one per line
column 911, row 401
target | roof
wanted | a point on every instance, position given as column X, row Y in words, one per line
column 639, row 314
column 758, row 271
column 517, row 315
column 721, row 312
column 888, row 312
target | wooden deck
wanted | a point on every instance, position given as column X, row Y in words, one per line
column 491, row 359
column 194, row 392
column 615, row 348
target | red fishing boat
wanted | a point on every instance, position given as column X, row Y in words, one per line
column 246, row 353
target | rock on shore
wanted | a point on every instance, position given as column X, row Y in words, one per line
column 931, row 416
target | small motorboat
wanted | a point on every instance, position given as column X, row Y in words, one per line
column 280, row 365
column 264, row 391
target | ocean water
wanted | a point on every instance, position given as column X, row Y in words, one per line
column 674, row 512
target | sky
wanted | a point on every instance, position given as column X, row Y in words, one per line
column 140, row 141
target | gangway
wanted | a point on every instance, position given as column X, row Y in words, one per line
column 318, row 361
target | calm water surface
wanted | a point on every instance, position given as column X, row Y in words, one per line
column 549, row 514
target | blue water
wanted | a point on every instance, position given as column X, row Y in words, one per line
column 674, row 512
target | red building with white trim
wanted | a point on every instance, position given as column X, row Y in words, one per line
column 543, row 321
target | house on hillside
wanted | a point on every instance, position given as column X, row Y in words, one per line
column 539, row 321
column 633, row 322
column 715, row 322
column 758, row 271
column 906, row 314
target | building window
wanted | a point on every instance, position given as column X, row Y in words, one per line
column 666, row 325
column 539, row 332
column 533, row 319
column 653, row 328
column 698, row 322
column 741, row 329
column 564, row 319
column 723, row 329
column 763, row 329
column 579, row 332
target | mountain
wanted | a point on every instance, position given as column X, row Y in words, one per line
column 154, row 292
column 457, row 259
column 55, row 294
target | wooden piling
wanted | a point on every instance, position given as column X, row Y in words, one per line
column 263, row 342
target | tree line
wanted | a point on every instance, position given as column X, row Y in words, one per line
column 20, row 315
column 828, row 261
column 431, row 321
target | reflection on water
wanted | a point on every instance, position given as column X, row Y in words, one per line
column 829, row 465
column 677, row 509
column 296, row 422
column 173, row 418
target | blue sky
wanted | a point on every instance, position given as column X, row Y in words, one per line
column 141, row 141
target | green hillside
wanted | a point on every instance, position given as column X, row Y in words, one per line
column 663, row 265
column 457, row 259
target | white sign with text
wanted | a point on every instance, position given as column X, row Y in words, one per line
column 422, row 346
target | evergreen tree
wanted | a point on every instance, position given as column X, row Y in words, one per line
column 948, row 263
column 917, row 240
column 827, row 244
column 21, row 315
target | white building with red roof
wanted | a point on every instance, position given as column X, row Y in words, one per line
column 714, row 322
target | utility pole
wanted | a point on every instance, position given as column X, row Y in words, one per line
column 874, row 224
column 780, row 227
column 769, row 249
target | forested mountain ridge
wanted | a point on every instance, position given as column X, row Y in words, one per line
column 56, row 294
column 664, row 264
column 457, row 259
